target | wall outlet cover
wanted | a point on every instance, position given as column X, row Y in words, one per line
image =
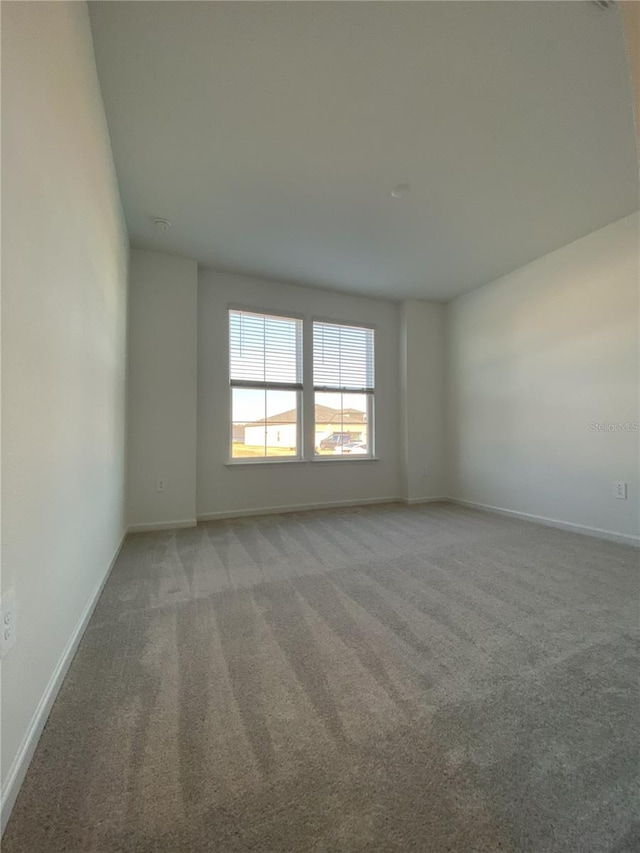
column 620, row 491
column 8, row 621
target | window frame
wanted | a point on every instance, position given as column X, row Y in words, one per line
column 370, row 396
column 266, row 386
column 305, row 396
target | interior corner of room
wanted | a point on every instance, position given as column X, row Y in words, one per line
column 152, row 185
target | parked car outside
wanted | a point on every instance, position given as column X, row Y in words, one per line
column 354, row 448
column 336, row 439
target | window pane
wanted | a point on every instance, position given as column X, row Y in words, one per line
column 341, row 424
column 264, row 423
column 248, row 408
column 343, row 357
column 264, row 348
column 282, row 423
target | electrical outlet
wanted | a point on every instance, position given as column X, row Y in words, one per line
column 8, row 621
column 424, row 471
column 161, row 484
column 620, row 491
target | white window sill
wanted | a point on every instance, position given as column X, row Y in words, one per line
column 241, row 463
column 348, row 458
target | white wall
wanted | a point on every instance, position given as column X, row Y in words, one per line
column 533, row 359
column 64, row 276
column 223, row 488
column 163, row 307
column 422, row 400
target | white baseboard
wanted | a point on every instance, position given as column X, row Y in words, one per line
column 432, row 500
column 277, row 510
column 162, row 525
column 599, row 533
column 21, row 762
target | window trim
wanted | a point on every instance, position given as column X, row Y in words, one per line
column 371, row 407
column 297, row 388
column 306, row 401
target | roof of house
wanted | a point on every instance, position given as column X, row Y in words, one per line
column 324, row 415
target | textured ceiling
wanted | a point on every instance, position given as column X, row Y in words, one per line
column 271, row 135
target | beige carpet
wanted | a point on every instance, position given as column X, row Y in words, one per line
column 378, row 679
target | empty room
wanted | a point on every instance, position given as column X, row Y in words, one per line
column 320, row 427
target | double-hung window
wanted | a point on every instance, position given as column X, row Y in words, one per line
column 265, row 377
column 266, row 386
column 343, row 384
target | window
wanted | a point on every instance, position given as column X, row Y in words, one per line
column 265, row 377
column 343, row 384
column 266, row 386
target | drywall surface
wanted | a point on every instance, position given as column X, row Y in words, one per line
column 224, row 488
column 422, row 465
column 64, row 302
column 630, row 11
column 163, row 307
column 542, row 373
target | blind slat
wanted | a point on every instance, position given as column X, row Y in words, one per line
column 343, row 357
column 265, row 349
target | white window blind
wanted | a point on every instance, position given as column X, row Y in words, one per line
column 343, row 357
column 265, row 350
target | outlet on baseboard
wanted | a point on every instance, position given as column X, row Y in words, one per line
column 161, row 484
column 620, row 491
column 8, row 621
